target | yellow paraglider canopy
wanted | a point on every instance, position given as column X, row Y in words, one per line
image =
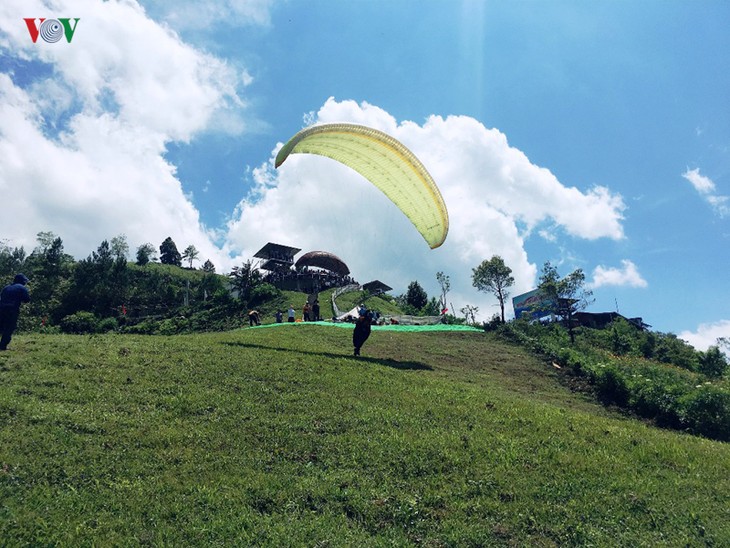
column 386, row 163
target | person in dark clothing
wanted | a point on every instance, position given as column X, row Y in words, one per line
column 315, row 311
column 361, row 331
column 11, row 297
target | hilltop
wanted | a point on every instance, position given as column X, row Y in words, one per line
column 277, row 436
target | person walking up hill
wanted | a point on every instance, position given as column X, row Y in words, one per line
column 11, row 297
column 361, row 332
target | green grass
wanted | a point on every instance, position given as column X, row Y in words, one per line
column 348, row 301
column 278, row 437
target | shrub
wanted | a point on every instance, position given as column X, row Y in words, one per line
column 707, row 412
column 612, row 385
column 145, row 327
column 262, row 293
column 713, row 362
column 80, row 322
column 106, row 325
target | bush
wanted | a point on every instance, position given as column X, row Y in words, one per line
column 707, row 412
column 262, row 293
column 493, row 324
column 106, row 325
column 80, row 322
column 612, row 385
column 713, row 362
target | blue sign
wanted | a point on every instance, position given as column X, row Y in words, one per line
column 532, row 303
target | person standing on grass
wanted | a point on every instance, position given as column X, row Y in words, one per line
column 291, row 313
column 11, row 297
column 362, row 331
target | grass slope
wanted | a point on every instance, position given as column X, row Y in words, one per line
column 278, row 437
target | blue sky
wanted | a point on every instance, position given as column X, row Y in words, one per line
column 592, row 135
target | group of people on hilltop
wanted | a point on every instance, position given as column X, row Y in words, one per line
column 307, row 277
column 310, row 313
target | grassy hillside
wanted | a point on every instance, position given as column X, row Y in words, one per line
column 384, row 304
column 278, row 437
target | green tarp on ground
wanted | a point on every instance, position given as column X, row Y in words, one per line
column 402, row 328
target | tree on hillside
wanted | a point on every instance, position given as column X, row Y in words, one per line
column 495, row 277
column 470, row 312
column 100, row 283
column 244, row 279
column 445, row 285
column 416, row 296
column 210, row 282
column 120, row 247
column 11, row 260
column 713, row 362
column 45, row 240
column 169, row 253
column 145, row 254
column 190, row 254
column 567, row 295
column 48, row 267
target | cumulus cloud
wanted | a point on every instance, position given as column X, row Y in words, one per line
column 707, row 189
column 626, row 276
column 82, row 136
column 494, row 194
column 707, row 334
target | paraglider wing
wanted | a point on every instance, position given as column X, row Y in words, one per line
column 323, row 259
column 386, row 163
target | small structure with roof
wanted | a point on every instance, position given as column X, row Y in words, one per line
column 276, row 256
column 376, row 287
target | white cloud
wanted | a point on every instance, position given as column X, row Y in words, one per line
column 707, row 334
column 210, row 14
column 81, row 150
column 706, row 188
column 627, row 276
column 490, row 189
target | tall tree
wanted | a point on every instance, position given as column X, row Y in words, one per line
column 145, row 254
column 45, row 240
column 416, row 296
column 120, row 247
column 495, row 277
column 11, row 260
column 470, row 311
column 567, row 295
column 190, row 254
column 244, row 278
column 169, row 253
column 100, row 283
column 445, row 285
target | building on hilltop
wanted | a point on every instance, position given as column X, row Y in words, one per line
column 313, row 272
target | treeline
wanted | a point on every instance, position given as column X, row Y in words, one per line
column 106, row 292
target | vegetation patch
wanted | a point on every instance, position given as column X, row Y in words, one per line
column 655, row 375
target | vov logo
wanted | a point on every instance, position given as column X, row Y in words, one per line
column 51, row 30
